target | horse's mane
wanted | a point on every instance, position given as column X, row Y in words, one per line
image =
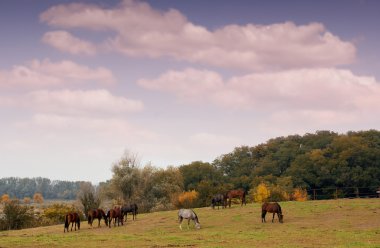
column 196, row 216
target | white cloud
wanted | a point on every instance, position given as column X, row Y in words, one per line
column 141, row 30
column 302, row 89
column 66, row 42
column 47, row 73
column 80, row 102
column 189, row 84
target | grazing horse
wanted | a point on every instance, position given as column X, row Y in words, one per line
column 115, row 215
column 236, row 193
column 131, row 208
column 218, row 199
column 72, row 218
column 189, row 215
column 96, row 214
column 271, row 207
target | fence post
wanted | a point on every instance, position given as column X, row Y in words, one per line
column 336, row 193
column 357, row 192
column 314, row 194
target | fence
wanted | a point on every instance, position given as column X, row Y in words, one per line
column 343, row 192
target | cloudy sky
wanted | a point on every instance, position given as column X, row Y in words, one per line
column 177, row 81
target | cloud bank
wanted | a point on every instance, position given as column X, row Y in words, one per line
column 140, row 30
column 299, row 89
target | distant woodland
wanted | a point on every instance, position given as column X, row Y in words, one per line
column 323, row 159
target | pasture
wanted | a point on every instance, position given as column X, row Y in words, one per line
column 329, row 223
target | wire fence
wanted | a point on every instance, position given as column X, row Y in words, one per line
column 343, row 192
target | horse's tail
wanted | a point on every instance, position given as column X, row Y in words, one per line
column 66, row 223
column 78, row 222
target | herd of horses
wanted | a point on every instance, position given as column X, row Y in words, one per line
column 117, row 214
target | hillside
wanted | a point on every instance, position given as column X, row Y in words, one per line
column 329, row 223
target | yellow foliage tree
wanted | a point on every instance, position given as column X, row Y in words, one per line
column 261, row 193
column 300, row 194
column 27, row 200
column 5, row 198
column 187, row 198
column 38, row 198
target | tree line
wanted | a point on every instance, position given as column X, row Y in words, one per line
column 323, row 159
column 26, row 187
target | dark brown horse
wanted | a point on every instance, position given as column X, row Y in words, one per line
column 72, row 218
column 96, row 214
column 236, row 193
column 115, row 215
column 271, row 207
column 131, row 208
column 218, row 199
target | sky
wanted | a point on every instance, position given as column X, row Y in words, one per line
column 172, row 82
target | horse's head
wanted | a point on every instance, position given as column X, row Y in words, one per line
column 197, row 225
column 281, row 218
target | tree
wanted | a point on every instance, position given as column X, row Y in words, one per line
column 38, row 198
column 5, row 198
column 126, row 176
column 261, row 193
column 27, row 200
column 88, row 197
column 17, row 216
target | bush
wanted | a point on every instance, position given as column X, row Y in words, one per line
column 261, row 193
column 16, row 216
column 187, row 199
column 56, row 212
column 299, row 194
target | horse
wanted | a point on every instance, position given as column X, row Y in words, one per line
column 218, row 199
column 114, row 214
column 131, row 208
column 236, row 193
column 96, row 214
column 188, row 214
column 271, row 207
column 72, row 218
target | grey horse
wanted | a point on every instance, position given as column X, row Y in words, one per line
column 189, row 215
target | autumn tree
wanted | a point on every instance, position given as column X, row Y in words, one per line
column 261, row 193
column 5, row 198
column 38, row 198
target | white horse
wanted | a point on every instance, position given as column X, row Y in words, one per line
column 189, row 215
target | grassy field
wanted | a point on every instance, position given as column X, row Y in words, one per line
column 330, row 223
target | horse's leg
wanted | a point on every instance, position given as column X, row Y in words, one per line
column 180, row 219
column 263, row 213
column 273, row 217
column 188, row 224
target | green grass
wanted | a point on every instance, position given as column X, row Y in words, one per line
column 329, row 223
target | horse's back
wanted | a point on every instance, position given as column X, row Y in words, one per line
column 185, row 213
column 272, row 207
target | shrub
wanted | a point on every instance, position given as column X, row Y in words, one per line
column 56, row 212
column 187, row 199
column 299, row 194
column 261, row 193
column 38, row 198
column 277, row 193
column 5, row 198
column 16, row 216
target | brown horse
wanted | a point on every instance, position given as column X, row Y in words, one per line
column 236, row 193
column 115, row 215
column 72, row 218
column 96, row 214
column 271, row 207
